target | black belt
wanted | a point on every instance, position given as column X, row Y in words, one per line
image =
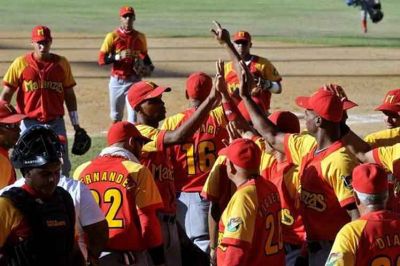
column 168, row 218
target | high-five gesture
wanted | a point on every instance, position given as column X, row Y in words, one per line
column 221, row 34
column 220, row 83
column 246, row 80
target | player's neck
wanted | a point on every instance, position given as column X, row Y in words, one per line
column 148, row 122
column 41, row 57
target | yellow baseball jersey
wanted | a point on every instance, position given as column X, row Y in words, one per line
column 252, row 221
column 373, row 239
column 10, row 219
column 7, row 172
column 387, row 137
column 325, row 184
column 194, row 159
column 389, row 158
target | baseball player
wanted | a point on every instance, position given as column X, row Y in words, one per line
column 127, row 194
column 325, row 165
column 373, row 239
column 43, row 81
column 9, row 134
column 126, row 49
column 37, row 220
column 250, row 227
column 194, row 159
column 390, row 107
column 266, row 76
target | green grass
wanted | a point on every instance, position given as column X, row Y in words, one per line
column 98, row 143
column 308, row 21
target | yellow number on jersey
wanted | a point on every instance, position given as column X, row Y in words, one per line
column 112, row 196
column 206, row 156
column 273, row 226
column 384, row 261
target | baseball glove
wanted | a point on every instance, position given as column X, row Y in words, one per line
column 82, row 142
column 141, row 68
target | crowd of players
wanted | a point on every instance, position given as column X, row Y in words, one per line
column 224, row 182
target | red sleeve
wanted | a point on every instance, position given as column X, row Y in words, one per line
column 230, row 110
column 160, row 140
column 234, row 256
column 375, row 154
column 151, row 228
column 101, row 59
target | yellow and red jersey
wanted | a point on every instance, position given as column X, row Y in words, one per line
column 132, row 43
column 194, row 159
column 260, row 67
column 389, row 158
column 40, row 85
column 125, row 191
column 374, row 239
column 252, row 221
column 158, row 160
column 387, row 137
column 7, row 172
column 325, row 178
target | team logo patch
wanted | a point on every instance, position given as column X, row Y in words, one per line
column 234, row 224
column 347, row 181
column 334, row 259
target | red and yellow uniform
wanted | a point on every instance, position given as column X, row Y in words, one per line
column 325, row 184
column 40, row 85
column 157, row 159
column 127, row 194
column 133, row 44
column 260, row 67
column 250, row 228
column 387, row 137
column 193, row 160
column 373, row 239
column 7, row 172
column 389, row 158
column 12, row 224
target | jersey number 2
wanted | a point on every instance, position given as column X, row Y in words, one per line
column 114, row 197
column 273, row 226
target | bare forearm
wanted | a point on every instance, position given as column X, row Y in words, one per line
column 70, row 100
column 6, row 94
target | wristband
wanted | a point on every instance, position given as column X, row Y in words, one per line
column 73, row 116
column 229, row 110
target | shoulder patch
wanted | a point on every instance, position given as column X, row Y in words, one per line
column 234, row 224
column 334, row 259
column 347, row 181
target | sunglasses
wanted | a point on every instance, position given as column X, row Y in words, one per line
column 10, row 126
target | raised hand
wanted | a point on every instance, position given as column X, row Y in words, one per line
column 221, row 34
column 220, row 83
column 246, row 80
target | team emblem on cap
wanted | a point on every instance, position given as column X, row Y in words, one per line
column 241, row 33
column 40, row 32
column 234, row 224
column 152, row 84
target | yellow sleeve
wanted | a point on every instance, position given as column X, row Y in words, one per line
column 388, row 155
column 151, row 133
column 269, row 70
column 10, row 218
column 298, row 145
column 79, row 170
column 387, row 137
column 211, row 186
column 171, row 122
column 147, row 193
column 239, row 217
column 337, row 169
column 69, row 80
column 107, row 46
column 5, row 171
column 13, row 74
column 343, row 252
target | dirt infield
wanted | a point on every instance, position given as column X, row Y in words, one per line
column 366, row 73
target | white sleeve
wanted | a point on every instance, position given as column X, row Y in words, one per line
column 89, row 211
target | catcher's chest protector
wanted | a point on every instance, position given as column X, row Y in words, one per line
column 52, row 229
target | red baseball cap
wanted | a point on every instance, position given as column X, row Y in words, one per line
column 122, row 131
column 391, row 102
column 324, row 103
column 369, row 178
column 243, row 153
column 339, row 91
column 8, row 114
column 198, row 86
column 126, row 10
column 242, row 36
column 41, row 33
column 286, row 121
column 144, row 90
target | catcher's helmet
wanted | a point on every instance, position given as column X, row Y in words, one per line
column 38, row 145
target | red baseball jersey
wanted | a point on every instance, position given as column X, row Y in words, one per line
column 260, row 67
column 387, row 137
column 155, row 157
column 124, row 191
column 373, row 239
column 7, row 172
column 193, row 159
column 252, row 220
column 325, row 178
column 133, row 44
column 40, row 85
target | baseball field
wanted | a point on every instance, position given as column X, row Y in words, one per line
column 311, row 42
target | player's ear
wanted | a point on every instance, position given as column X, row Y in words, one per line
column 318, row 121
column 186, row 95
column 250, row 44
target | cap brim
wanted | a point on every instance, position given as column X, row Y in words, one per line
column 241, row 39
column 302, row 101
column 347, row 104
column 156, row 92
column 12, row 119
column 388, row 107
